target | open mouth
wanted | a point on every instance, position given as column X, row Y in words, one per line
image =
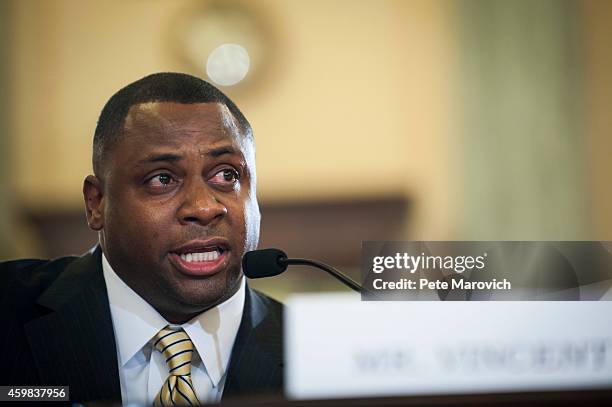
column 200, row 260
column 210, row 255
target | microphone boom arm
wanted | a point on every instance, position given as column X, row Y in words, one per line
column 335, row 273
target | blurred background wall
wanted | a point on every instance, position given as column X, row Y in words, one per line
column 374, row 119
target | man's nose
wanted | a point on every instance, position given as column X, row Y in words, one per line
column 200, row 205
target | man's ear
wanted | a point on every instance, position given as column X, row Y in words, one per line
column 93, row 194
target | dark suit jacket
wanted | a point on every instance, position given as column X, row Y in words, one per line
column 57, row 330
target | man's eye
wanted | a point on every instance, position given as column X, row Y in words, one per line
column 226, row 176
column 161, row 180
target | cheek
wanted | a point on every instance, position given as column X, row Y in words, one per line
column 243, row 223
column 252, row 219
column 139, row 225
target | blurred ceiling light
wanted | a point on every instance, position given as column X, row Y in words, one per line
column 228, row 64
column 211, row 38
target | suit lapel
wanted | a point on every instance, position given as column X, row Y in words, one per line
column 74, row 344
column 256, row 365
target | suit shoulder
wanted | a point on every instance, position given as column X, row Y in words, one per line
column 26, row 279
column 270, row 303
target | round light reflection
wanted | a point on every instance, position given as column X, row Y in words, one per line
column 228, row 64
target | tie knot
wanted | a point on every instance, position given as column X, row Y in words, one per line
column 177, row 348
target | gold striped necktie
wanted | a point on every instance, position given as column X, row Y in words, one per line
column 177, row 349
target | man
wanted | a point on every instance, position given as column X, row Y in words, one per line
column 159, row 312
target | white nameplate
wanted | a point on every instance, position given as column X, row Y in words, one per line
column 338, row 346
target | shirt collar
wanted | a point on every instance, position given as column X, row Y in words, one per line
column 136, row 322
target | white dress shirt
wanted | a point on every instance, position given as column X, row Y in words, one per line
column 142, row 369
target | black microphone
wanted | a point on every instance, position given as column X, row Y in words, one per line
column 271, row 262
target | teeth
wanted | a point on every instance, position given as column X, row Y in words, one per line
column 202, row 256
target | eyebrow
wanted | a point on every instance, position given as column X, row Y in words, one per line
column 216, row 152
column 171, row 157
column 166, row 157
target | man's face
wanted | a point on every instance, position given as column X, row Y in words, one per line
column 178, row 205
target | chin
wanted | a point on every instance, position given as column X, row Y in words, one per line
column 206, row 294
